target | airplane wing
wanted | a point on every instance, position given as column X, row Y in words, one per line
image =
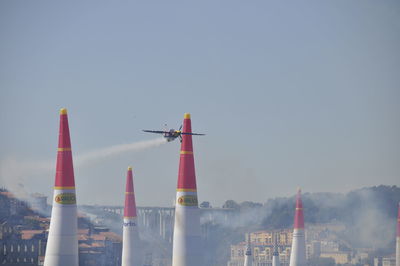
column 155, row 131
column 197, row 134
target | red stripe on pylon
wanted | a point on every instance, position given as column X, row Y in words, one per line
column 299, row 216
column 130, row 203
column 398, row 222
column 186, row 175
column 64, row 168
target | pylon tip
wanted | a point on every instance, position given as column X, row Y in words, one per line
column 63, row 111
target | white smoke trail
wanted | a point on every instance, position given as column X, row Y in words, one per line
column 14, row 172
column 93, row 156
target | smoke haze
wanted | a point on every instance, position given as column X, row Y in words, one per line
column 15, row 172
column 369, row 214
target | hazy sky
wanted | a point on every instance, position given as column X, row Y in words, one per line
column 290, row 94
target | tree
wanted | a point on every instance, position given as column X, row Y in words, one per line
column 205, row 204
column 231, row 204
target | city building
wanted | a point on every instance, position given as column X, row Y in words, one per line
column 99, row 249
column 262, row 248
column 21, row 246
column 339, row 257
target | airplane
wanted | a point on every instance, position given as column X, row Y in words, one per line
column 172, row 134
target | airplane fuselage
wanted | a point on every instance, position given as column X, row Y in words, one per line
column 171, row 135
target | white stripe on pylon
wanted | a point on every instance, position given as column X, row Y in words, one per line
column 187, row 235
column 298, row 252
column 62, row 242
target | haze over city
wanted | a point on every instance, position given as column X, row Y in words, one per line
column 289, row 95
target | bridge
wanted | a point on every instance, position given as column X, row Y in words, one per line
column 160, row 220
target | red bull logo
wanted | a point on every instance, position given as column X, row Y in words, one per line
column 188, row 200
column 65, row 198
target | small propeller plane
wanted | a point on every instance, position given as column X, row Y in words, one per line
column 172, row 134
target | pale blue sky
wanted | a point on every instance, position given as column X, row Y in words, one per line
column 290, row 94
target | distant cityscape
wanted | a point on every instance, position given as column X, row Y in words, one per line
column 357, row 228
column 25, row 223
